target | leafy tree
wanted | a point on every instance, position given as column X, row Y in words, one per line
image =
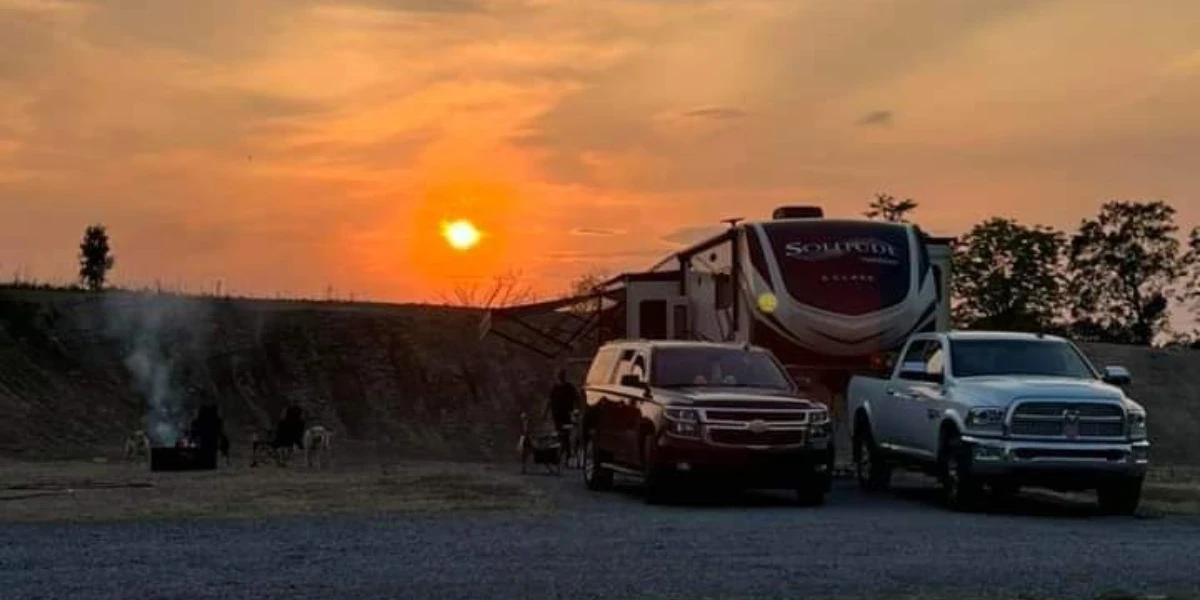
column 1190, row 289
column 888, row 208
column 1008, row 276
column 1123, row 265
column 95, row 257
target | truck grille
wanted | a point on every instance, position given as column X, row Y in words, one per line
column 745, row 437
column 1068, row 420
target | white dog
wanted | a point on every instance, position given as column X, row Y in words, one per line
column 318, row 444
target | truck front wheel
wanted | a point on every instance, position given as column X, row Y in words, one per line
column 871, row 467
column 960, row 488
column 1120, row 497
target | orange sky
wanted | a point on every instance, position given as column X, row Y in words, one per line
column 283, row 146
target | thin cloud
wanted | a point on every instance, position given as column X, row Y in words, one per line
column 427, row 6
column 718, row 113
column 689, row 235
column 876, row 118
column 596, row 231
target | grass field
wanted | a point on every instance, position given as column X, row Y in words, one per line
column 89, row 491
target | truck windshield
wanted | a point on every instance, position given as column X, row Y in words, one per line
column 979, row 358
column 721, row 367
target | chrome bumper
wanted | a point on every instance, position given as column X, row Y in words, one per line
column 1012, row 457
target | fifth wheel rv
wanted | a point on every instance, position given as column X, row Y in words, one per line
column 829, row 297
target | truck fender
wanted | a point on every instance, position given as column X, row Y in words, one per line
column 862, row 414
column 951, row 421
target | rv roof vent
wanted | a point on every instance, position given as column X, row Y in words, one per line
column 798, row 212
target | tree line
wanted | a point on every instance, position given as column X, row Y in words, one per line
column 1116, row 278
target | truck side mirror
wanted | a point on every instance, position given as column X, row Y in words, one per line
column 1115, row 375
column 912, row 370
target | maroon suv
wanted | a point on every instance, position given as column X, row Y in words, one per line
column 667, row 410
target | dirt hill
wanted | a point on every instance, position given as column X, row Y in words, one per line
column 79, row 371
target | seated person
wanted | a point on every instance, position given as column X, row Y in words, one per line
column 290, row 430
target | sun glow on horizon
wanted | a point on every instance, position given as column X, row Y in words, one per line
column 461, row 234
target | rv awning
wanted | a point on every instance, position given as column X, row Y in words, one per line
column 551, row 328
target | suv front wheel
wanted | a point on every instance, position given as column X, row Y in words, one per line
column 595, row 475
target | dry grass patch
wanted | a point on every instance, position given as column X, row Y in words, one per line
column 81, row 491
column 1172, row 491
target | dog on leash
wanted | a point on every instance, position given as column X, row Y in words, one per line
column 137, row 445
column 543, row 447
column 318, row 444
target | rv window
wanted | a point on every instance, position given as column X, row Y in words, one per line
column 681, row 322
column 724, row 291
column 937, row 281
column 652, row 319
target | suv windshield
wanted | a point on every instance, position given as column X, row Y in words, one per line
column 709, row 366
column 977, row 358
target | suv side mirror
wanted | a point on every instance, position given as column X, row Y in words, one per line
column 1117, row 375
column 630, row 380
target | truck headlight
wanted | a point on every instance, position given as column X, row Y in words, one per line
column 986, row 417
column 683, row 422
column 1137, row 425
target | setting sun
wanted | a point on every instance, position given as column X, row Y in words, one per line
column 461, row 234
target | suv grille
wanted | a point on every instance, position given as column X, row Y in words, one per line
column 769, row 416
column 753, row 426
column 745, row 437
column 1068, row 420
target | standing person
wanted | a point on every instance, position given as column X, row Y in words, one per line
column 564, row 399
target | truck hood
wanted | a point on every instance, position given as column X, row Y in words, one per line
column 1002, row 390
column 710, row 396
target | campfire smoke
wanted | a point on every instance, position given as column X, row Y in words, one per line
column 162, row 338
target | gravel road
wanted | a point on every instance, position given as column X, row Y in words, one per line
column 612, row 546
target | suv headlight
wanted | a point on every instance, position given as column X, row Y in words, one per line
column 818, row 416
column 1137, row 425
column 986, row 417
column 683, row 422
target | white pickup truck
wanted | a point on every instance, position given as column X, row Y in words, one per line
column 1000, row 410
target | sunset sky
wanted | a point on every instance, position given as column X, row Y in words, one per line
column 283, row 146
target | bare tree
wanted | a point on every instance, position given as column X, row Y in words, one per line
column 889, row 208
column 586, row 284
column 506, row 289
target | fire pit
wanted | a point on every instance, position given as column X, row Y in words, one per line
column 184, row 456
